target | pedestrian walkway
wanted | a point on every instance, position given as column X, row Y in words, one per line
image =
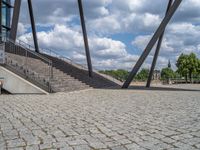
column 102, row 120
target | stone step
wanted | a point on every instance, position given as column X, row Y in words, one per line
column 66, row 77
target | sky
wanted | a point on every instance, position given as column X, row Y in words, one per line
column 118, row 30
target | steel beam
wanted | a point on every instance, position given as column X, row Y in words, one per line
column 0, row 19
column 87, row 49
column 157, row 50
column 15, row 20
column 33, row 26
column 152, row 42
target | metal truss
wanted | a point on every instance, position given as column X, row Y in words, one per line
column 15, row 20
column 1, row 16
column 157, row 50
column 5, row 5
column 87, row 49
column 33, row 26
column 158, row 36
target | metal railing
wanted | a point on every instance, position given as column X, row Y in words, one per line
column 52, row 53
column 29, row 64
column 55, row 54
column 80, row 66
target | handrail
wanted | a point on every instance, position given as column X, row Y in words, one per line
column 27, row 49
column 50, row 52
column 53, row 53
column 64, row 58
column 22, row 64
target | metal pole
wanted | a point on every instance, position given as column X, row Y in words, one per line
column 15, row 20
column 157, row 50
column 152, row 42
column 1, row 20
column 87, row 49
column 33, row 26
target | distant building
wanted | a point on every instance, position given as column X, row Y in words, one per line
column 157, row 75
column 169, row 64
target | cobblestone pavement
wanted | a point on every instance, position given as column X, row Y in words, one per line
column 101, row 119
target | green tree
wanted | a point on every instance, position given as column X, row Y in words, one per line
column 119, row 74
column 167, row 73
column 181, row 64
column 188, row 65
column 142, row 75
column 193, row 65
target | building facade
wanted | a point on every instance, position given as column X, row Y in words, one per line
column 5, row 16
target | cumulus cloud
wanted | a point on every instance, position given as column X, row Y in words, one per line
column 105, row 19
column 69, row 42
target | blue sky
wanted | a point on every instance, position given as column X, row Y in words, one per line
column 118, row 30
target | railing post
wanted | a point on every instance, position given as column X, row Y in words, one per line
column 51, row 71
column 26, row 63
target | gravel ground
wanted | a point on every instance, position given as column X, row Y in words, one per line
column 103, row 119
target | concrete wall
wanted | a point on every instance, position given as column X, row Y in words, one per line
column 17, row 85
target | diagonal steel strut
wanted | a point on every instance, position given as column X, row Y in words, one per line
column 87, row 49
column 15, row 20
column 33, row 26
column 152, row 42
column 157, row 50
column 0, row 17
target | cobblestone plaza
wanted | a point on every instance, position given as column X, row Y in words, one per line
column 101, row 120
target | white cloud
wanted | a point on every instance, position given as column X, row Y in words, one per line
column 104, row 19
column 69, row 42
column 21, row 29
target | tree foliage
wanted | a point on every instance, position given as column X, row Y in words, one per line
column 122, row 75
column 119, row 74
column 167, row 73
column 142, row 75
column 188, row 65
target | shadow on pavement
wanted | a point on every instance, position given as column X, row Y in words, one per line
column 161, row 89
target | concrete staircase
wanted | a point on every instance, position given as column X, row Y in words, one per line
column 66, row 76
column 69, row 77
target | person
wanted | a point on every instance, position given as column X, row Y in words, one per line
column 1, row 85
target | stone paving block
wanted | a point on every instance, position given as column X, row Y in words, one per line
column 16, row 148
column 101, row 119
column 81, row 147
column 66, row 148
column 118, row 148
column 112, row 143
column 133, row 146
column 76, row 142
column 2, row 146
column 45, row 146
column 15, row 143
column 97, row 145
column 32, row 140
column 32, row 147
column 197, row 145
column 60, row 145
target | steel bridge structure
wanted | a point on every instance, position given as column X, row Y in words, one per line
column 11, row 30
